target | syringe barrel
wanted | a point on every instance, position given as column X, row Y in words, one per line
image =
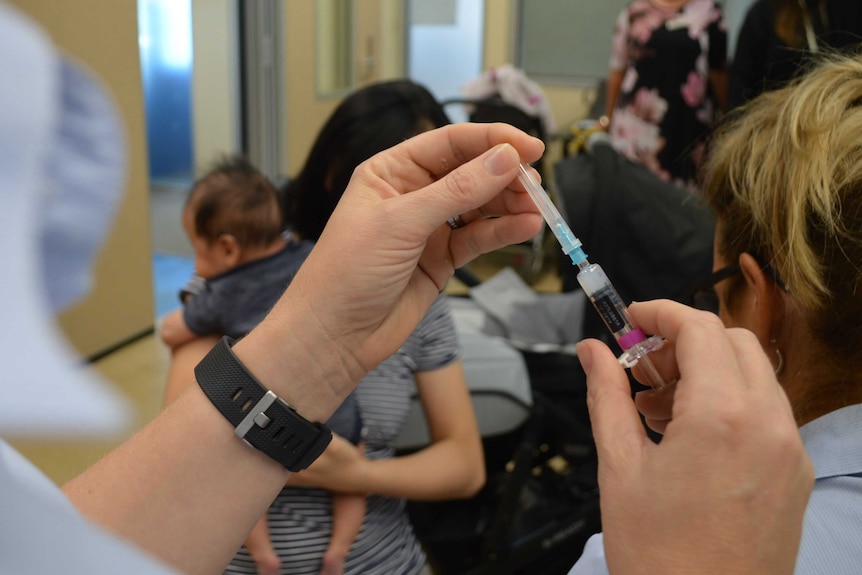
column 609, row 305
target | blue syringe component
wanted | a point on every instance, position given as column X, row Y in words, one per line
column 597, row 287
column 571, row 245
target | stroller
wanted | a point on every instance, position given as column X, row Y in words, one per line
column 541, row 500
column 540, row 503
column 652, row 238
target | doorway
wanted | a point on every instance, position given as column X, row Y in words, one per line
column 189, row 52
column 165, row 41
column 445, row 46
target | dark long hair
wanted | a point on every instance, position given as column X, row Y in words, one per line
column 790, row 20
column 368, row 121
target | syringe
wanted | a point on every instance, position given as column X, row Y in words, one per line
column 597, row 286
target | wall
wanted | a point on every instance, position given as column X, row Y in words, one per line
column 215, row 127
column 568, row 103
column 567, row 40
column 215, row 86
column 378, row 35
column 392, row 34
column 305, row 111
column 103, row 34
column 445, row 45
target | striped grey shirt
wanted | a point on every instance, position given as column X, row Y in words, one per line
column 300, row 518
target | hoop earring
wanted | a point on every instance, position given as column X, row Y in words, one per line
column 780, row 367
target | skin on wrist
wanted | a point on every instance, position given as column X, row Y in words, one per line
column 337, row 551
column 311, row 371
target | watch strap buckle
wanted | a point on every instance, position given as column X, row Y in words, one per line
column 271, row 424
column 257, row 415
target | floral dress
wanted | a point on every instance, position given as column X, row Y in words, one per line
column 666, row 106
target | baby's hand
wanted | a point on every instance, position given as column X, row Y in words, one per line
column 260, row 548
column 332, row 564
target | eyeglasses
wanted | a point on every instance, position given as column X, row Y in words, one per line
column 704, row 297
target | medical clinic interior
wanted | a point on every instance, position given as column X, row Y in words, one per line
column 216, row 90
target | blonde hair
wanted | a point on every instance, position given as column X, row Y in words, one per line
column 784, row 178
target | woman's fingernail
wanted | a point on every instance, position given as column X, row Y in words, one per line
column 585, row 356
column 502, row 160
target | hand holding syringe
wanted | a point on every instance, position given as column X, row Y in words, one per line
column 598, row 288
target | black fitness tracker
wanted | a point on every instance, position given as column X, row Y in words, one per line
column 259, row 416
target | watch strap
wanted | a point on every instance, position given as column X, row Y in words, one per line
column 259, row 416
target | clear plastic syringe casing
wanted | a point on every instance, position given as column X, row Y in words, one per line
column 612, row 309
column 597, row 286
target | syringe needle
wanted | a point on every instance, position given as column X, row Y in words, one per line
column 571, row 245
column 596, row 285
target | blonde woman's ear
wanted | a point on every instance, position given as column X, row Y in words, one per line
column 767, row 305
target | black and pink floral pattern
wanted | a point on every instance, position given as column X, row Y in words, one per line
column 666, row 105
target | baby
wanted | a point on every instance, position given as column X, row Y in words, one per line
column 244, row 262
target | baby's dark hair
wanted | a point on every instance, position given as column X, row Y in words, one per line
column 235, row 198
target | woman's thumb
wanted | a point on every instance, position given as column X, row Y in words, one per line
column 613, row 414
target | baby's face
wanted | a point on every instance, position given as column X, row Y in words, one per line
column 210, row 259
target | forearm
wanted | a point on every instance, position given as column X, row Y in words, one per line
column 447, row 469
column 615, row 82
column 453, row 465
column 348, row 513
column 185, row 488
column 181, row 372
column 187, row 465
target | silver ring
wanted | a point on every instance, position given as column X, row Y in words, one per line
column 456, row 222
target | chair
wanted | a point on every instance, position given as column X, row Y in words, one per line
column 540, row 503
column 652, row 238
